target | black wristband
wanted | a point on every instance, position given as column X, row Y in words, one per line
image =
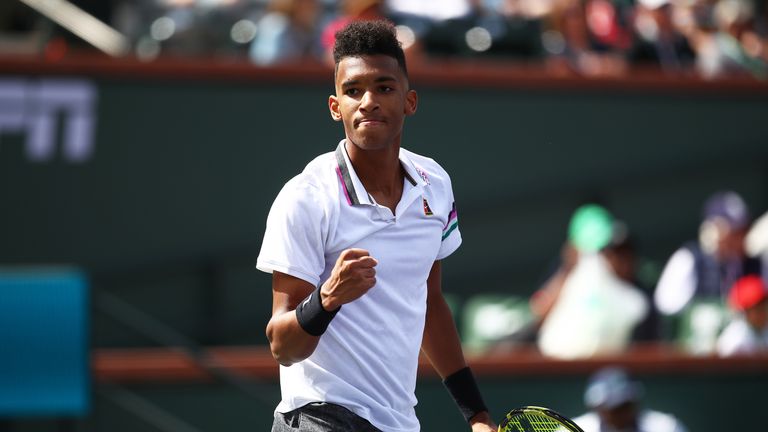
column 311, row 315
column 463, row 387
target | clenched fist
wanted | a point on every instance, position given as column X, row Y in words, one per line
column 352, row 276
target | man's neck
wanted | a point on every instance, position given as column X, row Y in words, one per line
column 380, row 172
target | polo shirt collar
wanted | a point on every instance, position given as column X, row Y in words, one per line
column 354, row 191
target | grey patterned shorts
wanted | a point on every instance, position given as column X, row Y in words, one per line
column 321, row 417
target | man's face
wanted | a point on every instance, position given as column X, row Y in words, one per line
column 622, row 262
column 372, row 99
column 719, row 238
column 732, row 243
column 621, row 418
column 757, row 316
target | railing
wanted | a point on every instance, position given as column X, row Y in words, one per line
column 433, row 73
column 176, row 365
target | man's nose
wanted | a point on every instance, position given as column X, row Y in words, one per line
column 369, row 101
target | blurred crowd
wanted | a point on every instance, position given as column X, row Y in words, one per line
column 712, row 289
column 712, row 38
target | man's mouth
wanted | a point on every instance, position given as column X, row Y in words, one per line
column 370, row 122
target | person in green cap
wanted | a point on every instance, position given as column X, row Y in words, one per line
column 591, row 228
column 589, row 306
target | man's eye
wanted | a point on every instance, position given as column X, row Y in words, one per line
column 386, row 89
column 350, row 92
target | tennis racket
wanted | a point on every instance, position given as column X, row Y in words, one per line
column 537, row 419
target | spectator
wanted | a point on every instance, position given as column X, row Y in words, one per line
column 608, row 22
column 288, row 33
column 523, row 8
column 589, row 230
column 748, row 332
column 586, row 308
column 430, row 9
column 756, row 242
column 614, row 403
column 707, row 268
column 734, row 48
column 572, row 46
column 621, row 254
column 657, row 40
column 349, row 10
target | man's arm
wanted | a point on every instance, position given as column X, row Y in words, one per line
column 543, row 300
column 441, row 343
column 288, row 341
column 677, row 284
column 352, row 276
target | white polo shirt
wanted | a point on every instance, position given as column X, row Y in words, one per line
column 367, row 359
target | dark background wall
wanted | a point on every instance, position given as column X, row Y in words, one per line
column 169, row 211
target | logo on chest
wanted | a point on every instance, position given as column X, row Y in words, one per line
column 427, row 210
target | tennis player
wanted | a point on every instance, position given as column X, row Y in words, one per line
column 354, row 245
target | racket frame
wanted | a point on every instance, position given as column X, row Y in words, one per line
column 563, row 420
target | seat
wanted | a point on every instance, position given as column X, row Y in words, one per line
column 700, row 324
column 488, row 319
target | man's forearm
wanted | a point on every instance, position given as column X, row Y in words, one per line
column 289, row 342
column 441, row 343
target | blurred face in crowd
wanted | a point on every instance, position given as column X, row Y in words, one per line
column 724, row 241
column 621, row 418
column 574, row 26
column 622, row 261
column 757, row 316
column 663, row 17
column 372, row 100
column 306, row 13
column 731, row 243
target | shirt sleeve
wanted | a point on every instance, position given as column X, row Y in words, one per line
column 677, row 283
column 451, row 238
column 294, row 237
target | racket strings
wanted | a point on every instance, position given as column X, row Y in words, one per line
column 532, row 422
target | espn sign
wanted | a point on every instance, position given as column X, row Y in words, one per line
column 33, row 107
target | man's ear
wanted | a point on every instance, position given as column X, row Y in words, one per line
column 411, row 102
column 333, row 105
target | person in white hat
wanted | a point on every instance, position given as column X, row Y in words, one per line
column 707, row 268
column 614, row 403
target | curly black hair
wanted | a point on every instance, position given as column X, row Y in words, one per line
column 360, row 38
